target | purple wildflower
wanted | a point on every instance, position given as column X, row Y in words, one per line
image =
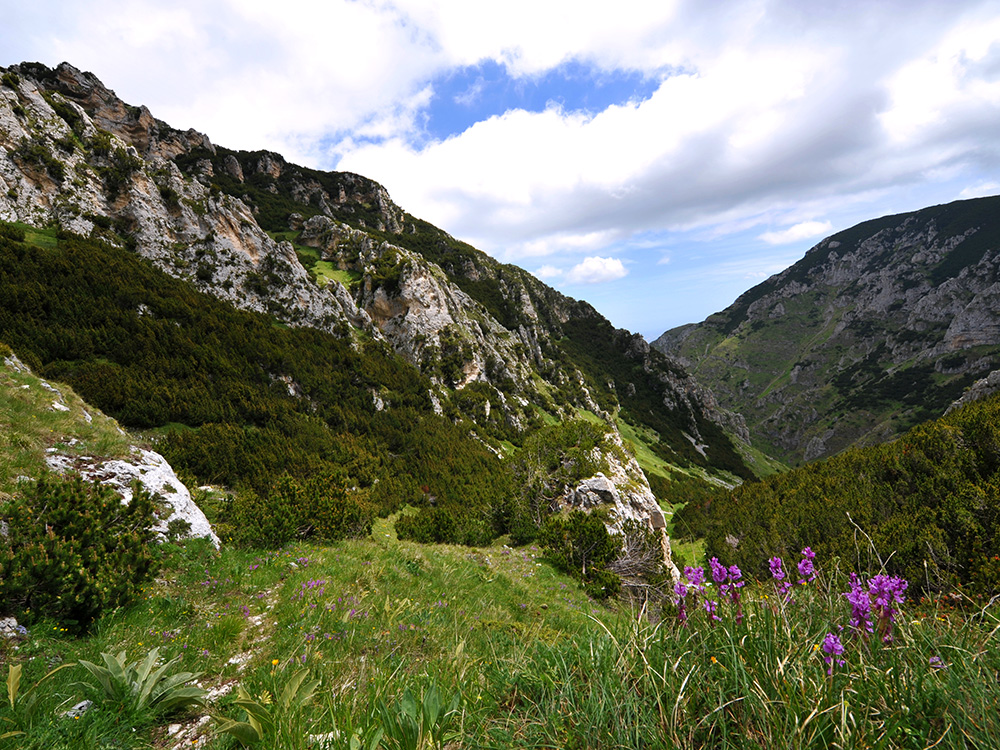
column 781, row 585
column 681, row 592
column 833, row 649
column 860, row 606
column 719, row 572
column 710, row 607
column 696, row 577
column 735, row 584
column 885, row 591
column 806, row 568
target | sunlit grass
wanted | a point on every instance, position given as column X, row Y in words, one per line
column 533, row 662
column 35, row 418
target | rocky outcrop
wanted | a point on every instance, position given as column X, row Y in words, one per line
column 876, row 328
column 73, row 154
column 128, row 464
column 156, row 476
column 982, row 388
column 623, row 491
column 417, row 307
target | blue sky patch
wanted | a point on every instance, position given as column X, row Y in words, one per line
column 477, row 92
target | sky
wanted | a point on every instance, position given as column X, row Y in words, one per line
column 656, row 159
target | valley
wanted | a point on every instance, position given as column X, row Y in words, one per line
column 417, row 498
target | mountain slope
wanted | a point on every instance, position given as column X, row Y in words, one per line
column 877, row 328
column 365, row 344
column 925, row 507
column 490, row 337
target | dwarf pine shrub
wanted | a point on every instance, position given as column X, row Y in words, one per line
column 72, row 549
column 11, row 232
column 579, row 544
column 321, row 508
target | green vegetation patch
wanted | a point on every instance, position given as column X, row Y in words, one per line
column 325, row 270
column 926, row 507
column 36, row 416
column 356, row 636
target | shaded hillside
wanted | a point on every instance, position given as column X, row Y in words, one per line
column 246, row 400
column 877, row 328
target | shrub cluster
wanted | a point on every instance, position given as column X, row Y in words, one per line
column 11, row 232
column 931, row 498
column 579, row 544
column 38, row 154
column 445, row 525
column 322, row 507
column 72, row 549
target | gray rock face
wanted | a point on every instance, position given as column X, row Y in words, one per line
column 982, row 388
column 10, row 629
column 153, row 472
column 624, row 492
column 421, row 308
column 875, row 329
column 207, row 238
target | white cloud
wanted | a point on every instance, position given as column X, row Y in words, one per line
column 772, row 109
column 548, row 272
column 596, row 270
column 980, row 190
column 802, row 231
column 766, row 115
column 952, row 80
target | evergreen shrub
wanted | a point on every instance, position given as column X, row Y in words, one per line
column 445, row 525
column 580, row 544
column 11, row 232
column 72, row 549
column 322, row 507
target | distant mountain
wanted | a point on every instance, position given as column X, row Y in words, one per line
column 877, row 328
column 418, row 331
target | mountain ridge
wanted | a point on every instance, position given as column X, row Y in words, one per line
column 207, row 215
column 876, row 328
column 496, row 353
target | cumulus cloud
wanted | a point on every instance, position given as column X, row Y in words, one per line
column 802, row 231
column 596, row 270
column 547, row 272
column 767, row 115
column 770, row 107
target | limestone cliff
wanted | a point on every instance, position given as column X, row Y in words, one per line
column 72, row 153
column 876, row 328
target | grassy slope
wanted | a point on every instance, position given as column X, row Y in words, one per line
column 33, row 422
column 532, row 662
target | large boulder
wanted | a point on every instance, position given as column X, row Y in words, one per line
column 623, row 490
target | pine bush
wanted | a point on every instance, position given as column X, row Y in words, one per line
column 73, row 549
